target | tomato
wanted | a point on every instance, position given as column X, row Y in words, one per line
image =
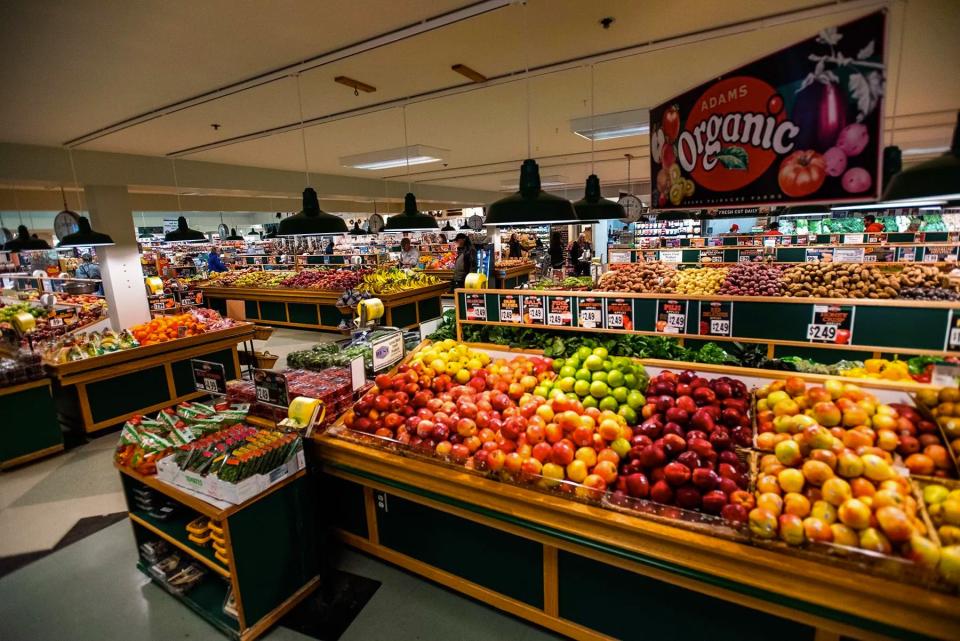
column 842, row 337
column 802, row 173
column 671, row 123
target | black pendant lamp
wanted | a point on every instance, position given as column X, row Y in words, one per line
column 530, row 205
column 234, row 235
column 410, row 219
column 311, row 220
column 936, row 178
column 183, row 234
column 357, row 230
column 593, row 207
column 85, row 236
column 447, row 227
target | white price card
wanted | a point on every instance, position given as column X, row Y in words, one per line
column 676, row 320
column 554, row 319
column 818, row 332
column 590, row 318
column 614, row 321
column 263, row 394
column 55, row 322
column 720, row 327
column 536, row 313
column 507, row 316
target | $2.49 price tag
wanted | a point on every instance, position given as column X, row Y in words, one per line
column 817, row 332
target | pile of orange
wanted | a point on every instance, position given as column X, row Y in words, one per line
column 166, row 328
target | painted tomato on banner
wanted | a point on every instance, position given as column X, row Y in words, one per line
column 802, row 125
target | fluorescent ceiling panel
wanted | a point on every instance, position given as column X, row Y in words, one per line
column 620, row 124
column 394, row 158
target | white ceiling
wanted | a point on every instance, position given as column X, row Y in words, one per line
column 73, row 68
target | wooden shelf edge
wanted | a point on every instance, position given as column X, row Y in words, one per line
column 32, row 456
column 219, row 569
column 22, row 387
column 266, row 621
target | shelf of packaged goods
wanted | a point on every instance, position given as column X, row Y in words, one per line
column 174, row 532
column 879, row 326
column 316, row 309
column 206, row 599
column 380, row 490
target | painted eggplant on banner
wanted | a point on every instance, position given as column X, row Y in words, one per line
column 802, row 125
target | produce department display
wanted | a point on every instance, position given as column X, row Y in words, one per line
column 383, row 280
column 70, row 312
column 676, row 447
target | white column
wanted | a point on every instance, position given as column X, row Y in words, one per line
column 600, row 236
column 123, row 284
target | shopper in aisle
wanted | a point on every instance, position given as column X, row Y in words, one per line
column 580, row 254
column 409, row 255
column 871, row 226
column 214, row 264
column 515, row 250
column 556, row 250
column 773, row 229
column 466, row 260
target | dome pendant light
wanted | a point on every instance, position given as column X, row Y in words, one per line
column 357, row 230
column 937, row 178
column 530, row 205
column 310, row 220
column 447, row 227
column 593, row 207
column 410, row 219
column 85, row 236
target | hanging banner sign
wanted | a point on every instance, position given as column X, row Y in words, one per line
column 802, row 125
column 716, row 318
column 671, row 316
column 619, row 313
column 831, row 324
column 510, row 309
column 590, row 312
column 560, row 311
column 533, row 310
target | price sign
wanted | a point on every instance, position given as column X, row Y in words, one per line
column 271, row 387
column 953, row 332
column 672, row 256
column 619, row 313
column 387, row 350
column 510, row 309
column 476, row 306
column 619, row 257
column 560, row 311
column 209, row 376
column 852, row 239
column 848, row 255
column 711, row 255
column 815, row 255
column 716, row 318
column 945, row 374
column 831, row 324
column 938, row 254
column 590, row 312
column 880, row 255
column 56, row 321
column 908, row 254
column 532, row 308
column 671, row 316
column 748, row 255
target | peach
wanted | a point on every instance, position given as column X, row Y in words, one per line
column 824, row 511
column 836, row 491
column 854, row 513
column 825, row 456
column 843, row 535
column 887, row 498
column 770, row 502
column 768, row 483
column 875, row 468
column 791, row 480
column 786, row 407
column 766, row 441
column 796, row 504
column 762, row 523
column 818, row 394
column 855, row 416
column 894, row 524
column 816, row 472
column 788, row 452
column 875, row 541
column 887, row 440
column 794, row 386
column 817, row 530
column 775, row 397
column 784, row 424
column 939, row 455
column 884, row 422
column 791, row 529
column 826, row 413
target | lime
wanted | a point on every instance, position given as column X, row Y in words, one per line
column 615, row 378
column 629, row 414
column 557, row 364
column 541, row 391
column 635, row 399
column 572, row 396
column 599, row 376
column 599, row 389
column 581, row 388
column 593, row 363
column 584, row 352
column 607, row 365
column 631, row 381
column 601, row 352
column 589, row 401
column 566, row 371
column 573, row 362
column 582, row 375
column 566, row 384
column 608, row 403
column 619, row 393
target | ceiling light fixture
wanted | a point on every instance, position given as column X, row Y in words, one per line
column 897, row 204
column 311, row 220
column 394, row 158
column 593, row 207
column 85, row 236
column 620, row 124
column 530, row 205
column 553, row 180
column 356, row 85
column 410, row 219
column 472, row 74
column 923, row 151
column 935, row 178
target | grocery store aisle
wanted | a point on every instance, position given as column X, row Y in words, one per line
column 92, row 590
column 285, row 340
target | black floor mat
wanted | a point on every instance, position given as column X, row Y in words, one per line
column 327, row 613
column 80, row 530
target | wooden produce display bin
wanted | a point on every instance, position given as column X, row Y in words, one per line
column 29, row 429
column 599, row 573
column 315, row 309
column 271, row 562
column 500, row 278
column 103, row 391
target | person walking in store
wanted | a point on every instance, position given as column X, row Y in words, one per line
column 871, row 226
column 515, row 249
column 580, row 254
column 409, row 255
column 556, row 250
column 214, row 264
column 91, row 270
column 466, row 261
column 773, row 229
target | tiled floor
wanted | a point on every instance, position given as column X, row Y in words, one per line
column 91, row 589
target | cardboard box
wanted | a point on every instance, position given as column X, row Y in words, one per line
column 235, row 493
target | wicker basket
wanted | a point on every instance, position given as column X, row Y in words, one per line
column 262, row 332
column 265, row 360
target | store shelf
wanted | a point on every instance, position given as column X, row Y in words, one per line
column 206, row 599
column 174, row 531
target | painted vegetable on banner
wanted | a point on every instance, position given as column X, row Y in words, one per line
column 802, row 125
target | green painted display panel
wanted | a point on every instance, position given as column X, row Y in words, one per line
column 343, row 502
column 791, row 255
column 625, row 605
column 303, row 313
column 330, row 315
column 730, row 240
column 508, row 564
column 273, row 311
column 935, row 237
column 900, row 327
column 690, row 256
column 429, row 308
column 403, row 315
column 823, row 239
column 315, row 260
column 183, row 370
column 218, row 304
column 274, row 547
column 129, row 393
column 770, row 320
column 29, row 423
column 644, row 314
column 461, row 307
column 731, row 255
column 250, row 309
